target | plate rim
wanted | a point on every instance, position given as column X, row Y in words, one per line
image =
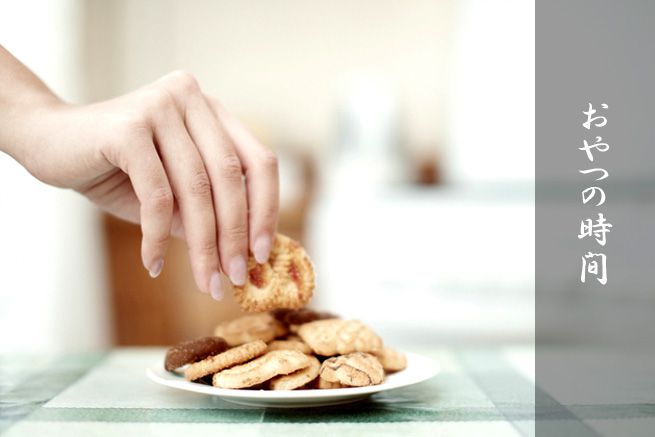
column 430, row 369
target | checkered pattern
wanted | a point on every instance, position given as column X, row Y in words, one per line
column 478, row 392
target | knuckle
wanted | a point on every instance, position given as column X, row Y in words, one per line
column 199, row 184
column 130, row 133
column 138, row 124
column 184, row 81
column 161, row 200
column 158, row 99
column 235, row 232
column 269, row 160
column 160, row 239
column 131, row 126
column 206, row 246
column 230, row 167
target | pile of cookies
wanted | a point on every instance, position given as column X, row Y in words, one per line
column 287, row 349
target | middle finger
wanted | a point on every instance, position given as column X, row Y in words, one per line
column 228, row 188
column 192, row 190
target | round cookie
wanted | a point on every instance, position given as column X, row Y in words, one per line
column 191, row 351
column 231, row 357
column 261, row 326
column 285, row 281
column 261, row 369
column 290, row 345
column 298, row 378
column 391, row 360
column 357, row 369
column 324, row 384
column 338, row 337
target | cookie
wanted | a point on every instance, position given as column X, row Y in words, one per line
column 298, row 378
column 261, row 369
column 391, row 360
column 251, row 327
column 285, row 281
column 194, row 350
column 290, row 345
column 338, row 337
column 357, row 369
column 300, row 316
column 324, row 384
column 231, row 357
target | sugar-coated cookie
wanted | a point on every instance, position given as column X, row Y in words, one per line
column 324, row 384
column 338, row 337
column 357, row 369
column 286, row 280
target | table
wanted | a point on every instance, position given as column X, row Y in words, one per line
column 481, row 391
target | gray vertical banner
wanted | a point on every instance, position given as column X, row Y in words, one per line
column 595, row 343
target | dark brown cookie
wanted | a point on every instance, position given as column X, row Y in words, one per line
column 193, row 351
column 300, row 316
column 280, row 313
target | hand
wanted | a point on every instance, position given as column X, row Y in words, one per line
column 171, row 158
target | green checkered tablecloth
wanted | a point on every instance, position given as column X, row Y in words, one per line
column 487, row 391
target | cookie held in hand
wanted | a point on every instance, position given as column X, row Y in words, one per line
column 357, row 369
column 285, row 281
column 192, row 351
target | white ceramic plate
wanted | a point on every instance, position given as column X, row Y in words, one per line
column 419, row 368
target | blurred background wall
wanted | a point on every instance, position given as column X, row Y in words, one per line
column 406, row 137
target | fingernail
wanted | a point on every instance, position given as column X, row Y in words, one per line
column 262, row 249
column 215, row 286
column 156, row 268
column 238, row 270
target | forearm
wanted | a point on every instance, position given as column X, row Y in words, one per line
column 24, row 98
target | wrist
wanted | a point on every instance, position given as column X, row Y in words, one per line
column 29, row 127
column 23, row 98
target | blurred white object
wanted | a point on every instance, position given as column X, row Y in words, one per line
column 492, row 103
column 368, row 137
column 456, row 263
column 369, row 116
